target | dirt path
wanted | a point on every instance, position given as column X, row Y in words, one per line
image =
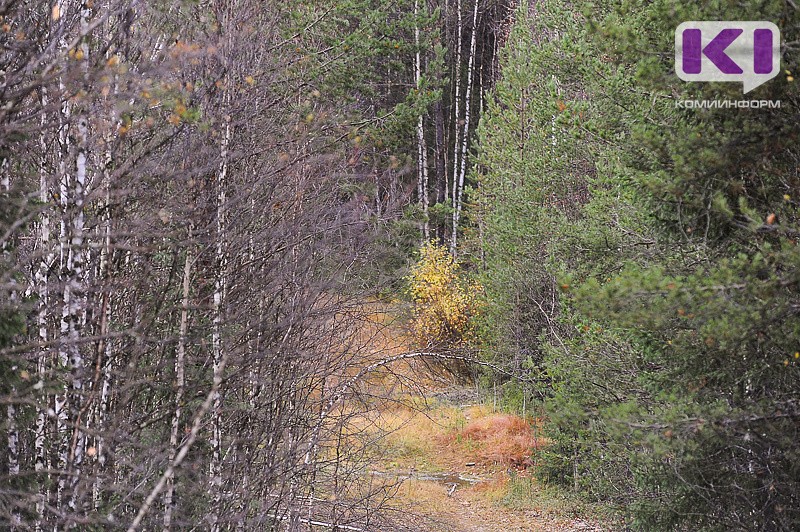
column 475, row 515
column 435, row 432
column 452, row 467
column 470, row 511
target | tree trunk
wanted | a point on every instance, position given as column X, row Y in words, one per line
column 220, row 285
column 456, row 120
column 465, row 136
column 180, row 381
column 75, row 289
column 104, row 355
column 61, row 402
column 422, row 150
column 43, row 304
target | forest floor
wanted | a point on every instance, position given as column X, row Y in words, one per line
column 461, row 464
column 463, row 467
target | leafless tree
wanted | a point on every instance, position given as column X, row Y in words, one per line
column 178, row 252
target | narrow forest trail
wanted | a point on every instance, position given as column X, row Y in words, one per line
column 459, row 465
column 461, row 482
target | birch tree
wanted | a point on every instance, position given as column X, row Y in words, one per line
column 422, row 149
column 188, row 213
column 460, row 166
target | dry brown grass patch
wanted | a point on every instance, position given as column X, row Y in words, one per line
column 499, row 438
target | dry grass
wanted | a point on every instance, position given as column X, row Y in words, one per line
column 429, row 497
column 503, row 439
column 412, row 436
column 406, row 434
column 445, row 438
column 448, row 436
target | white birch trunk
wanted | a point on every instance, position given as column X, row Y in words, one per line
column 75, row 310
column 293, row 444
column 456, row 119
column 465, row 136
column 13, row 437
column 180, row 382
column 5, row 176
column 220, row 285
column 73, row 314
column 13, row 449
column 60, row 401
column 105, row 346
column 422, row 150
column 43, row 293
column 76, row 285
column 254, row 342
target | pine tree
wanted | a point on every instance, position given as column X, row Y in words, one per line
column 669, row 358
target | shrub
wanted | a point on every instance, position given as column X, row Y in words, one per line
column 445, row 302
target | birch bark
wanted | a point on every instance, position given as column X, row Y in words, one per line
column 104, row 355
column 74, row 313
column 220, row 285
column 42, row 279
column 456, row 119
column 462, row 159
column 180, row 382
column 422, row 150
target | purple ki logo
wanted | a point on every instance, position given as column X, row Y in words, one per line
column 745, row 52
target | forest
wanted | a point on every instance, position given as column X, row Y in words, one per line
column 259, row 256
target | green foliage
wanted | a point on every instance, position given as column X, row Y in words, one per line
column 15, row 373
column 445, row 302
column 359, row 56
column 14, row 206
column 361, row 52
column 668, row 343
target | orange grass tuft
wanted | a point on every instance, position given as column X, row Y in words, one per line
column 500, row 438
